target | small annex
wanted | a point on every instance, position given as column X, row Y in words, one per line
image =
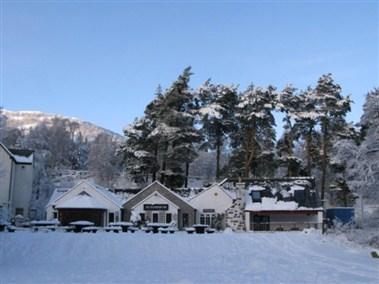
column 282, row 204
column 211, row 205
column 158, row 204
column 85, row 201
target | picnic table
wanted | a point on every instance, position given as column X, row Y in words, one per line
column 50, row 225
column 114, row 229
column 90, row 229
column 155, row 226
column 200, row 228
column 124, row 225
column 79, row 225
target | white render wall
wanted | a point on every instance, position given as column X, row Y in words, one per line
column 23, row 187
column 156, row 198
column 212, row 198
column 5, row 177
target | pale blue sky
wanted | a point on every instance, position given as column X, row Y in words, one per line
column 101, row 61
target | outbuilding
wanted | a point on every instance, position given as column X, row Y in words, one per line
column 282, row 204
column 211, row 205
column 85, row 201
column 158, row 204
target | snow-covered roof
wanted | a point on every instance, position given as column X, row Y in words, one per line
column 273, row 204
column 230, row 194
column 60, row 192
column 82, row 201
column 19, row 156
column 281, row 194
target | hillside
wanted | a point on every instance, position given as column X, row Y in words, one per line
column 30, row 119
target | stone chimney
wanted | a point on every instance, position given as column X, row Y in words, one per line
column 240, row 191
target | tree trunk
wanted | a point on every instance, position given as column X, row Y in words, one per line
column 164, row 164
column 308, row 150
column 218, row 155
column 324, row 158
column 250, row 149
column 154, row 173
column 186, row 178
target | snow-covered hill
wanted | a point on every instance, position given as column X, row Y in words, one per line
column 29, row 119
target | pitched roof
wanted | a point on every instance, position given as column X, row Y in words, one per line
column 19, row 156
column 59, row 193
column 229, row 194
column 142, row 194
column 82, row 201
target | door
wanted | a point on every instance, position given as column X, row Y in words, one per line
column 155, row 217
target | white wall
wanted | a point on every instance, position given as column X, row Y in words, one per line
column 23, row 187
column 212, row 198
column 5, row 176
column 156, row 198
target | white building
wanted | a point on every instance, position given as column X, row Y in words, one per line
column 158, row 204
column 282, row 204
column 85, row 201
column 211, row 205
column 16, row 181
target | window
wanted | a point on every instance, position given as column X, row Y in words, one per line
column 20, row 211
column 142, row 217
column 55, row 215
column 168, row 217
column 155, row 217
column 256, row 195
column 111, row 217
column 202, row 219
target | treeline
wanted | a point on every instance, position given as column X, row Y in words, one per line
column 182, row 121
column 61, row 146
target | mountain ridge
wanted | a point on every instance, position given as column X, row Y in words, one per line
column 27, row 119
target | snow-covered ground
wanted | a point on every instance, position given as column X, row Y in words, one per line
column 293, row 257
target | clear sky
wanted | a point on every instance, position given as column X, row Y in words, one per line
column 101, row 61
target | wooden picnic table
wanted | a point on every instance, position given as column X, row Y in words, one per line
column 200, row 228
column 114, row 229
column 90, row 229
column 79, row 225
column 124, row 225
column 155, row 226
column 50, row 225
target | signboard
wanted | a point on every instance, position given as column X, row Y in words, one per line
column 208, row 210
column 155, row 207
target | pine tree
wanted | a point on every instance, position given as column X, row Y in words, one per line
column 332, row 108
column 289, row 104
column 176, row 132
column 306, row 118
column 217, row 116
column 253, row 140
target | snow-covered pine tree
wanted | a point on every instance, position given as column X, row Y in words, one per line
column 365, row 170
column 254, row 139
column 332, row 108
column 289, row 104
column 140, row 151
column 176, row 132
column 305, row 128
column 217, row 105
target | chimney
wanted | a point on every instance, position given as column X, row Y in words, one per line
column 240, row 190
